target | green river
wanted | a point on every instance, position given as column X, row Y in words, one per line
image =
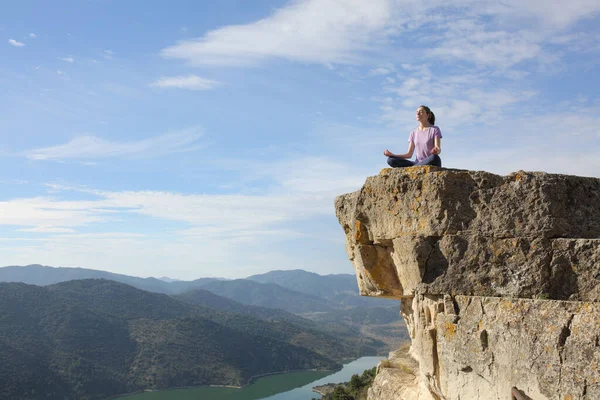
column 289, row 386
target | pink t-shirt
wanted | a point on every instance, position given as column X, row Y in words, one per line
column 424, row 141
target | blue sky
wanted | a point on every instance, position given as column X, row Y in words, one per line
column 196, row 138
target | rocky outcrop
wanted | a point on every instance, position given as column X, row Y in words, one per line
column 499, row 277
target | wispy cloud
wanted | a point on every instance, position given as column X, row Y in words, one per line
column 43, row 213
column 301, row 189
column 234, row 215
column 498, row 48
column 32, row 35
column 556, row 14
column 13, row 182
column 92, row 147
column 108, row 54
column 189, row 82
column 383, row 70
column 47, row 229
column 15, row 43
column 68, row 59
column 314, row 31
column 473, row 97
column 334, row 32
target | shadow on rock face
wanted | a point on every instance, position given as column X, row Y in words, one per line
column 431, row 259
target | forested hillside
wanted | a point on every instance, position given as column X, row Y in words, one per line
column 89, row 339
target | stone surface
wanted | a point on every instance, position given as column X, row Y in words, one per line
column 480, row 347
column 499, row 279
column 526, row 235
column 397, row 378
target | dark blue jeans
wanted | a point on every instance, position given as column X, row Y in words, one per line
column 433, row 159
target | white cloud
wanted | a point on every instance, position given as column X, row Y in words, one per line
column 13, row 42
column 59, row 72
column 13, row 182
column 91, row 147
column 47, row 229
column 382, row 70
column 473, row 97
column 189, row 82
column 313, row 31
column 498, row 48
column 342, row 32
column 230, row 212
column 302, row 189
column 556, row 14
column 41, row 213
column 236, row 217
column 32, row 35
column 108, row 54
column 68, row 59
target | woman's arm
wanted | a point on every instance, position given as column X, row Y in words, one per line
column 437, row 146
column 408, row 154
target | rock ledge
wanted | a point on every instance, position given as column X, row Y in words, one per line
column 499, row 277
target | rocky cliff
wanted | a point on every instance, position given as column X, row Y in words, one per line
column 499, row 278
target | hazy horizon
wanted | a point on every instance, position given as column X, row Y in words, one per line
column 169, row 277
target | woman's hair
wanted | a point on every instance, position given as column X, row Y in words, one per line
column 431, row 118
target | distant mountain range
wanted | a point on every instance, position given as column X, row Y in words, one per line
column 338, row 288
column 75, row 333
column 296, row 291
column 43, row 275
column 167, row 279
column 327, row 286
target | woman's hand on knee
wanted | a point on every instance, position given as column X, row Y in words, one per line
column 436, row 150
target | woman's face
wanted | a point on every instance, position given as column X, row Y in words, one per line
column 422, row 115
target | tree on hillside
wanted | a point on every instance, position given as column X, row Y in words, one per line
column 340, row 393
column 355, row 383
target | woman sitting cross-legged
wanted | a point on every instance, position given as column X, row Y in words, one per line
column 426, row 140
